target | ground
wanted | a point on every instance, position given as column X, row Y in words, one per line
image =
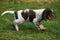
column 28, row 31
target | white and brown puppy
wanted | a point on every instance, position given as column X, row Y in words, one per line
column 34, row 16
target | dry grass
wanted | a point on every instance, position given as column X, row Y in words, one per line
column 38, row 1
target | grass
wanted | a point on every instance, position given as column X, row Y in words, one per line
column 28, row 31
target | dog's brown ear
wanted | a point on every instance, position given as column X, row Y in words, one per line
column 47, row 12
column 44, row 15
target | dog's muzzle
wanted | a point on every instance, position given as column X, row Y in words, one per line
column 51, row 17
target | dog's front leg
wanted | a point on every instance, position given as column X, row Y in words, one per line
column 39, row 25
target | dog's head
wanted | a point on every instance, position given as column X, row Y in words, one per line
column 48, row 14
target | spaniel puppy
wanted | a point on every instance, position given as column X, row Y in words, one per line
column 34, row 16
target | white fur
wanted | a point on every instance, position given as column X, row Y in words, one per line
column 20, row 18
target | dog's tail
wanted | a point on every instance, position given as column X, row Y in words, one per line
column 11, row 12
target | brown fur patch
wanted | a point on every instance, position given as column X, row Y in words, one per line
column 31, row 15
column 24, row 15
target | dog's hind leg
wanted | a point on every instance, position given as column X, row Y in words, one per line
column 16, row 22
column 16, row 27
column 39, row 25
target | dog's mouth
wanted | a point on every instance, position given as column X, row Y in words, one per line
column 51, row 17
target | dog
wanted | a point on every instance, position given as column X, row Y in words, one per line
column 33, row 15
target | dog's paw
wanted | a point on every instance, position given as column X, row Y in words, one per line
column 42, row 28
